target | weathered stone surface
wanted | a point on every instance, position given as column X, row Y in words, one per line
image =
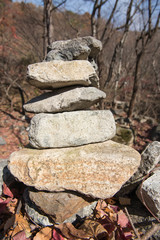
column 3, row 164
column 151, row 193
column 150, row 157
column 34, row 212
column 65, row 99
column 98, row 170
column 124, row 135
column 61, row 205
column 57, row 74
column 71, row 128
column 74, row 49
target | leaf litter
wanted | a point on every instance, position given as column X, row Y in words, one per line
column 108, row 222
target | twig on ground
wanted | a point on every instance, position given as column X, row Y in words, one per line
column 134, row 229
column 154, row 229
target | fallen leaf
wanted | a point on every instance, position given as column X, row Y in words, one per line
column 7, row 191
column 108, row 225
column 3, row 205
column 69, row 231
column 56, row 235
column 122, row 219
column 11, row 206
column 44, row 234
column 19, row 223
column 110, row 200
column 101, row 206
column 94, row 229
column 20, row 236
column 9, row 223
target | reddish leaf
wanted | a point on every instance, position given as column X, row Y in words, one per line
column 122, row 219
column 3, row 205
column 57, row 236
column 121, row 235
column 7, row 191
column 20, row 236
column 107, row 224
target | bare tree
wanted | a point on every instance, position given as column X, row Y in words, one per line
column 48, row 33
column 144, row 38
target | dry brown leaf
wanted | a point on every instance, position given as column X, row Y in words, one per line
column 94, row 229
column 110, row 201
column 44, row 234
column 69, row 231
column 19, row 224
column 9, row 223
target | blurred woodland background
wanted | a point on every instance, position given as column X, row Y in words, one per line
column 129, row 64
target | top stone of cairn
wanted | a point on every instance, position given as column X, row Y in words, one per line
column 80, row 48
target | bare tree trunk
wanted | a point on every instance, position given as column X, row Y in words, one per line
column 143, row 40
column 48, row 31
column 118, row 52
column 135, row 86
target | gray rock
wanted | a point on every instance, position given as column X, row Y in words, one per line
column 71, row 128
column 35, row 214
column 74, row 49
column 97, row 170
column 62, row 206
column 123, row 135
column 57, row 74
column 2, row 141
column 149, row 193
column 150, row 157
column 65, row 99
column 3, row 164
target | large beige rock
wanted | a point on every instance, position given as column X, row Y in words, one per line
column 71, row 128
column 65, row 99
column 58, row 73
column 98, row 170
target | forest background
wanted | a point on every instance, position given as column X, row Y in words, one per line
column 129, row 64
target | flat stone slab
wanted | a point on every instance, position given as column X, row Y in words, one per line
column 65, row 99
column 59, row 205
column 57, row 74
column 98, row 170
column 71, row 128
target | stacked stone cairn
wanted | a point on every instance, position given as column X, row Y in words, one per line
column 71, row 162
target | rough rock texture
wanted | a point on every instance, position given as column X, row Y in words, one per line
column 151, row 193
column 74, row 49
column 98, row 170
column 57, row 74
column 71, row 128
column 150, row 157
column 34, row 212
column 65, row 99
column 3, row 164
column 60, row 206
column 124, row 135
